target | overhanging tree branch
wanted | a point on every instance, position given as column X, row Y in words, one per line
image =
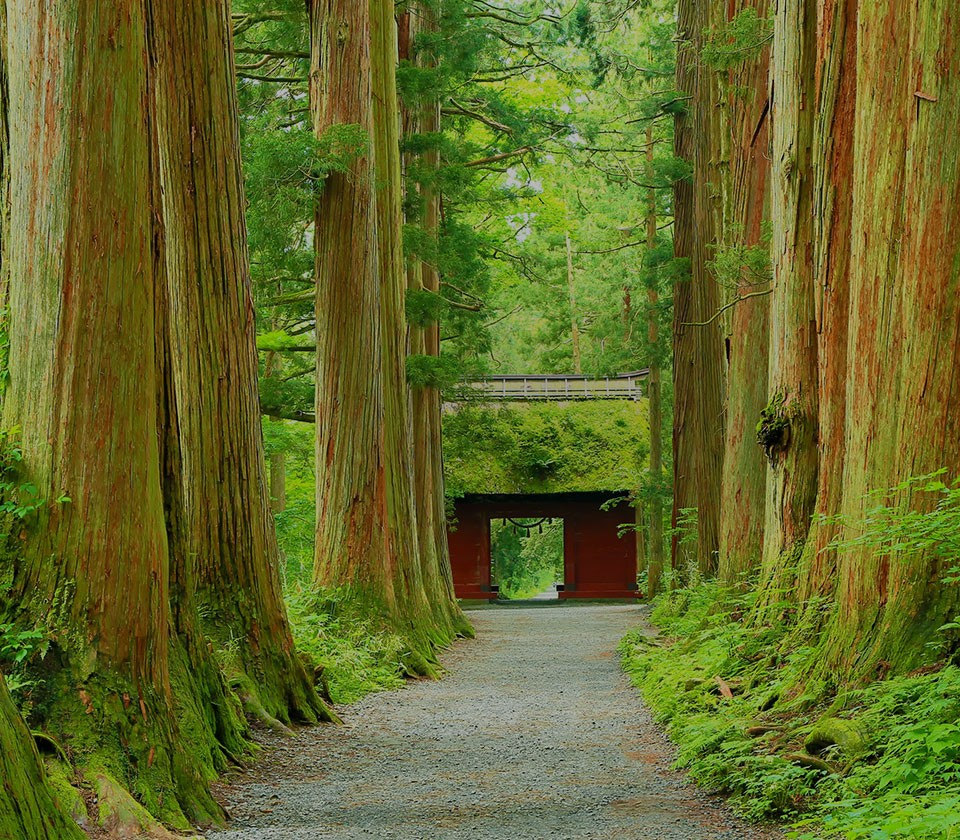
column 724, row 308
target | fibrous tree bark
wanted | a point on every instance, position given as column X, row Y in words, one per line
column 698, row 365
column 403, row 529
column 226, row 538
column 27, row 808
column 836, row 97
column 904, row 322
column 367, row 533
column 83, row 391
column 788, row 428
column 351, row 544
column 746, row 209
column 422, row 117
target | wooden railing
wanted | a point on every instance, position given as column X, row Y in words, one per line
column 553, row 388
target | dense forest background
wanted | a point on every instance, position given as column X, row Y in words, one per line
column 249, row 251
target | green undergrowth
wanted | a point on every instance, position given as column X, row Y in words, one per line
column 352, row 653
column 882, row 761
column 352, row 650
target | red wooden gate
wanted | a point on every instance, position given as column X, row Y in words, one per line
column 598, row 563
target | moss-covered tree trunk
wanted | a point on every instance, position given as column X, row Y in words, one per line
column 747, row 189
column 698, row 366
column 788, row 430
column 28, row 810
column 902, row 387
column 83, row 390
column 227, row 533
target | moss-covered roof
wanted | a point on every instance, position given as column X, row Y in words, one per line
column 545, row 447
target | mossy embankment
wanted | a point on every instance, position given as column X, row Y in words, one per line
column 880, row 760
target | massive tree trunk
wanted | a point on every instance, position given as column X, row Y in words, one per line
column 27, row 808
column 367, row 533
column 351, row 545
column 227, row 543
column 698, row 366
column 747, row 186
column 904, row 324
column 83, row 390
column 836, row 85
column 788, row 430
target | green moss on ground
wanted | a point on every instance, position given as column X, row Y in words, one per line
column 881, row 761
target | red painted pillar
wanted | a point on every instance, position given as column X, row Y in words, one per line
column 469, row 542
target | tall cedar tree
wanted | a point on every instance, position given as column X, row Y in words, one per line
column 102, row 371
column 221, row 524
column 698, row 367
column 421, row 118
column 864, row 328
column 746, row 209
column 27, row 808
column 367, row 526
column 83, row 390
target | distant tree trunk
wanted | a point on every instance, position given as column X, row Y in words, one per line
column 743, row 491
column 27, row 807
column 788, row 430
column 902, row 386
column 423, row 117
column 278, row 482
column 228, row 528
column 698, row 352
column 655, row 471
column 83, row 390
column 574, row 326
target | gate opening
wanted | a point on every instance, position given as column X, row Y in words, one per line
column 526, row 558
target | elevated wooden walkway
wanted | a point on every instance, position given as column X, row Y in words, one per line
column 555, row 387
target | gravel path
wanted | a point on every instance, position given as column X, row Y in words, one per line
column 534, row 733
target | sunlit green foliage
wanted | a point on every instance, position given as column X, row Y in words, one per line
column 527, row 556
column 545, row 448
column 739, row 40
